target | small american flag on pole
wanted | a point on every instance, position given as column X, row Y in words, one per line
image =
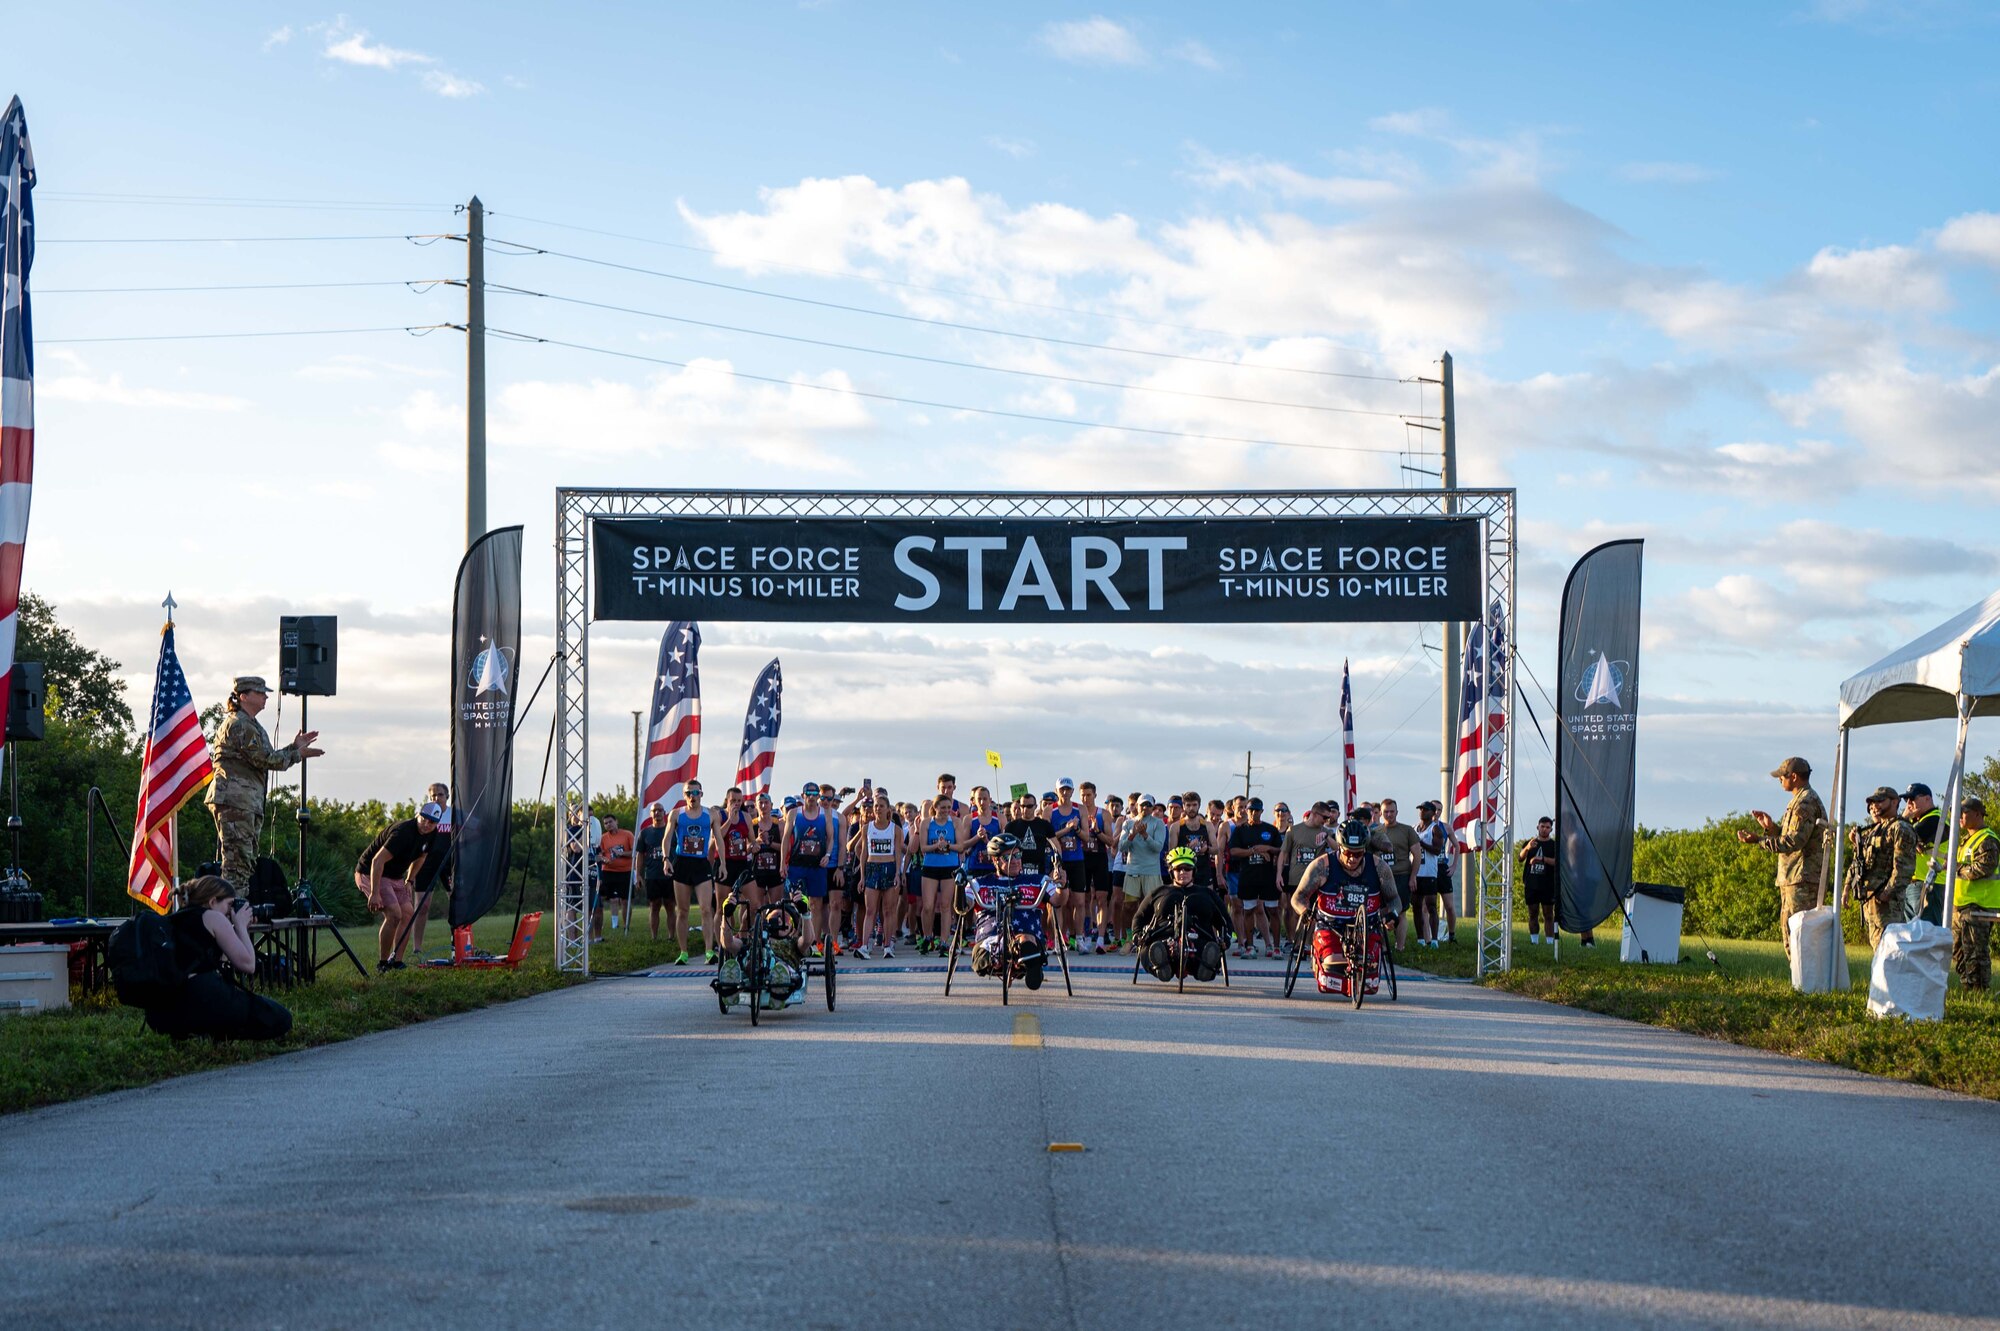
column 760, row 731
column 175, row 766
column 17, row 370
column 673, row 743
column 1350, row 788
column 1482, row 726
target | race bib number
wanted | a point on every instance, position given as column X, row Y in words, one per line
column 691, row 844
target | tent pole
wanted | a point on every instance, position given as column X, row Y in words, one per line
column 1839, row 816
column 1955, row 792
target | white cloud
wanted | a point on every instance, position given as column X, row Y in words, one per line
column 1015, row 148
column 278, row 37
column 1194, row 53
column 1093, row 41
column 80, row 384
column 1972, row 236
column 1287, row 182
column 351, row 46
column 1888, row 277
column 1666, row 173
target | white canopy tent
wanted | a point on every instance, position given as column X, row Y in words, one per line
column 1952, row 671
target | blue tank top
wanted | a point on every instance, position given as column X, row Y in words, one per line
column 809, row 840
column 691, row 834
column 981, row 830
column 1066, row 826
column 940, row 859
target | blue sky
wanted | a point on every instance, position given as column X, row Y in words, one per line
column 1723, row 277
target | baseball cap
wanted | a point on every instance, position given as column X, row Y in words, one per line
column 1257, row 803
column 1916, row 788
column 1973, row 802
column 1148, row 801
column 432, row 812
column 1883, row 795
column 1792, row 767
column 1066, row 783
column 1050, row 795
column 250, row 684
column 791, row 801
column 809, row 788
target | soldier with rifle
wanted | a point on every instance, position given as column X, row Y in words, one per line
column 1878, row 877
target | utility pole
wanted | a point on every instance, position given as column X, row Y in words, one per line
column 1245, row 773
column 1453, row 673
column 475, row 371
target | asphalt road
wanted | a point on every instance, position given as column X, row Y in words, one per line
column 622, row 1155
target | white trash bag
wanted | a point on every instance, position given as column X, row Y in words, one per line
column 1819, row 957
column 1908, row 976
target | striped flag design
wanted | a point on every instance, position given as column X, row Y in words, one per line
column 1350, row 783
column 1482, row 727
column 17, row 371
column 673, row 744
column 176, row 765
column 760, row 731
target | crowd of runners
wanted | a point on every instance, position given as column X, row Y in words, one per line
column 882, row 873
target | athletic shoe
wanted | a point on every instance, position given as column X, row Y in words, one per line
column 680, row 959
column 1534, row 938
column 1032, row 976
column 861, row 954
column 796, row 997
column 1270, row 954
column 888, row 951
column 936, row 946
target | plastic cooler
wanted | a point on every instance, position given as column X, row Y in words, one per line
column 1653, row 924
column 34, row 977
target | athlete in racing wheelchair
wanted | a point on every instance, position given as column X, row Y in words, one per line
column 1182, row 929
column 1004, row 918
column 767, row 964
column 1347, row 902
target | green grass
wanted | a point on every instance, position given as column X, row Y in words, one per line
column 1746, row 997
column 96, row 1046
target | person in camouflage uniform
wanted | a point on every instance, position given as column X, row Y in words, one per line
column 243, row 756
column 1800, row 842
column 1977, row 889
column 1885, row 857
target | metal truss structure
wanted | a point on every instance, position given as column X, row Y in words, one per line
column 578, row 509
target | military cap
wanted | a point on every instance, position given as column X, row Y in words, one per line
column 1916, row 788
column 1976, row 804
column 1792, row 767
column 250, row 684
column 1883, row 795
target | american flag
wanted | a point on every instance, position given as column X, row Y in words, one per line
column 1350, row 784
column 175, row 766
column 1482, row 733
column 673, row 744
column 17, row 370
column 760, row 731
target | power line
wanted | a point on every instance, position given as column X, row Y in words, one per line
column 530, row 250
column 938, row 360
column 233, row 240
column 417, row 330
column 240, row 201
column 237, row 286
column 920, row 286
column 935, row 406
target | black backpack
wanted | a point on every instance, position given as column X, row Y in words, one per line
column 267, row 888
column 146, row 968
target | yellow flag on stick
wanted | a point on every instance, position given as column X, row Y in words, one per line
column 993, row 759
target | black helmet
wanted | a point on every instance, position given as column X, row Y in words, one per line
column 1354, row 835
column 1000, row 847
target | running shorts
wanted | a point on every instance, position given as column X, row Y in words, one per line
column 879, row 877
column 659, row 887
column 617, row 883
column 693, row 869
column 811, row 881
column 1097, row 872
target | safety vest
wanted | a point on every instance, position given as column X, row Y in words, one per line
column 1981, row 892
column 1924, row 857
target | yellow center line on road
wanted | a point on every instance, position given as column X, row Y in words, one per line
column 1027, row 1031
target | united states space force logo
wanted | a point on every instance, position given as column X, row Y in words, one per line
column 492, row 671
column 1604, row 682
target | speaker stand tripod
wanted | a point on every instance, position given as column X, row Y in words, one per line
column 304, row 899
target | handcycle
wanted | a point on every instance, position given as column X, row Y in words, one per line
column 758, row 930
column 1184, row 946
column 1006, row 901
column 1356, row 932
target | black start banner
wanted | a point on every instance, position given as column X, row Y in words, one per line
column 1039, row 570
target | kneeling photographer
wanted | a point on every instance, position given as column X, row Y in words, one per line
column 211, row 931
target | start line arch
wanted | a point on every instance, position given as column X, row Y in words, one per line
column 1072, row 557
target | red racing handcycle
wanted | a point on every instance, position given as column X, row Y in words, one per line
column 1351, row 952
